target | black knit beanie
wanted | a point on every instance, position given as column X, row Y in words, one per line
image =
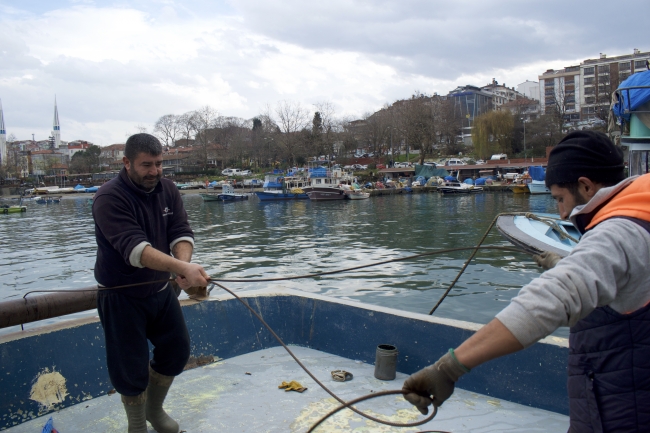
column 585, row 153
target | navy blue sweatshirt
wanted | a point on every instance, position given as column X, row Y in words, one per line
column 125, row 217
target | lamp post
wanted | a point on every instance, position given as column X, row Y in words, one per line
column 524, row 121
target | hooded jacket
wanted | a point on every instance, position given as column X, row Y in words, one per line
column 127, row 219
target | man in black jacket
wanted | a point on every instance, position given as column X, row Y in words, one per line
column 139, row 222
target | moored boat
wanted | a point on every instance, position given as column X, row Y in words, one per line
column 4, row 209
column 539, row 232
column 538, row 184
column 283, row 188
column 458, row 188
column 357, row 194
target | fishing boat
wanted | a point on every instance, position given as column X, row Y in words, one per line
column 451, row 187
column 236, row 367
column 538, row 182
column 48, row 199
column 539, row 232
column 357, row 194
column 7, row 209
column 227, row 194
column 324, row 184
column 283, row 188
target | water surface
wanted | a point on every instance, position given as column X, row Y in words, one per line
column 53, row 247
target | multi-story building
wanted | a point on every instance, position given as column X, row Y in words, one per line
column 530, row 89
column 469, row 102
column 561, row 92
column 601, row 77
column 501, row 94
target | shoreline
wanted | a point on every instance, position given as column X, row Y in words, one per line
column 498, row 187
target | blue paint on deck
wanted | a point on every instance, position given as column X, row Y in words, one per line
column 224, row 329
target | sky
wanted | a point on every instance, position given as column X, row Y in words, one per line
column 117, row 66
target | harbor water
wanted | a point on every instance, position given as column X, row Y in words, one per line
column 53, row 247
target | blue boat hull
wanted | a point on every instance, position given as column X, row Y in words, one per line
column 269, row 196
column 221, row 327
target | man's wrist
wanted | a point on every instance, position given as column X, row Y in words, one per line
column 460, row 364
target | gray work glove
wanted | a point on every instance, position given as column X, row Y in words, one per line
column 547, row 260
column 197, row 293
column 435, row 382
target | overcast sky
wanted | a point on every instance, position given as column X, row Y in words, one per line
column 117, row 65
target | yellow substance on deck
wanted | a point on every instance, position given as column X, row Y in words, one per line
column 346, row 420
column 495, row 403
column 48, row 389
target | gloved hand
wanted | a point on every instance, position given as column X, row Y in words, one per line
column 437, row 381
column 197, row 293
column 547, row 260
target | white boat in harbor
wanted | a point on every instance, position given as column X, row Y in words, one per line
column 458, row 188
column 357, row 194
column 538, row 182
column 539, row 232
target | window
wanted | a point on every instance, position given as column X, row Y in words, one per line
column 589, row 91
column 625, row 66
column 588, row 110
column 550, row 101
column 590, row 99
column 623, row 75
column 570, row 107
column 589, row 80
column 549, row 83
column 639, row 64
column 549, row 92
column 589, row 71
column 570, row 99
column 568, row 80
column 603, row 69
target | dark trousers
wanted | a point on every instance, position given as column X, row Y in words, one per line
column 128, row 323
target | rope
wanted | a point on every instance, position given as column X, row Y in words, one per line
column 344, row 404
column 296, row 277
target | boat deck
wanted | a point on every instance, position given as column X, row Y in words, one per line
column 241, row 394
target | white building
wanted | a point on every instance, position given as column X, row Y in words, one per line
column 529, row 89
column 3, row 138
column 561, row 92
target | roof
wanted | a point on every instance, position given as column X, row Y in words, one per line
column 397, row 170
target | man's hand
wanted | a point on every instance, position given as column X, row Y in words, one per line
column 547, row 260
column 197, row 293
column 435, row 382
column 192, row 275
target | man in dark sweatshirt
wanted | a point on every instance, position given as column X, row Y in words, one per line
column 139, row 222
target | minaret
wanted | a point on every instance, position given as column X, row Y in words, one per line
column 3, row 138
column 56, row 128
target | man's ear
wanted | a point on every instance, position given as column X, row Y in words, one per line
column 587, row 187
column 126, row 162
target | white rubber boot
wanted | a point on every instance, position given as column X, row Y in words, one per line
column 156, row 392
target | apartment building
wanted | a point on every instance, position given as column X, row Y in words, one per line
column 560, row 92
column 601, row 77
column 501, row 94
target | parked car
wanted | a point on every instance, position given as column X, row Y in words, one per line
column 403, row 165
column 245, row 173
column 231, row 172
column 430, row 164
column 455, row 161
column 499, row 156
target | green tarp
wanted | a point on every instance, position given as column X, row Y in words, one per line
column 427, row 171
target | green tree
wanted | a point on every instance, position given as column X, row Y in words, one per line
column 493, row 133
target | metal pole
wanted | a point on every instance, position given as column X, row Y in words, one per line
column 39, row 307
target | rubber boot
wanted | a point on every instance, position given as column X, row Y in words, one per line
column 156, row 392
column 135, row 407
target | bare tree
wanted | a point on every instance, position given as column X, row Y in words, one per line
column 331, row 126
column 167, row 128
column 187, row 125
column 291, row 119
column 204, row 121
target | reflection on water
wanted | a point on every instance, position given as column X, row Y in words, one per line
column 53, row 246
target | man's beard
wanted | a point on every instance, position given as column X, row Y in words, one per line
column 146, row 183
